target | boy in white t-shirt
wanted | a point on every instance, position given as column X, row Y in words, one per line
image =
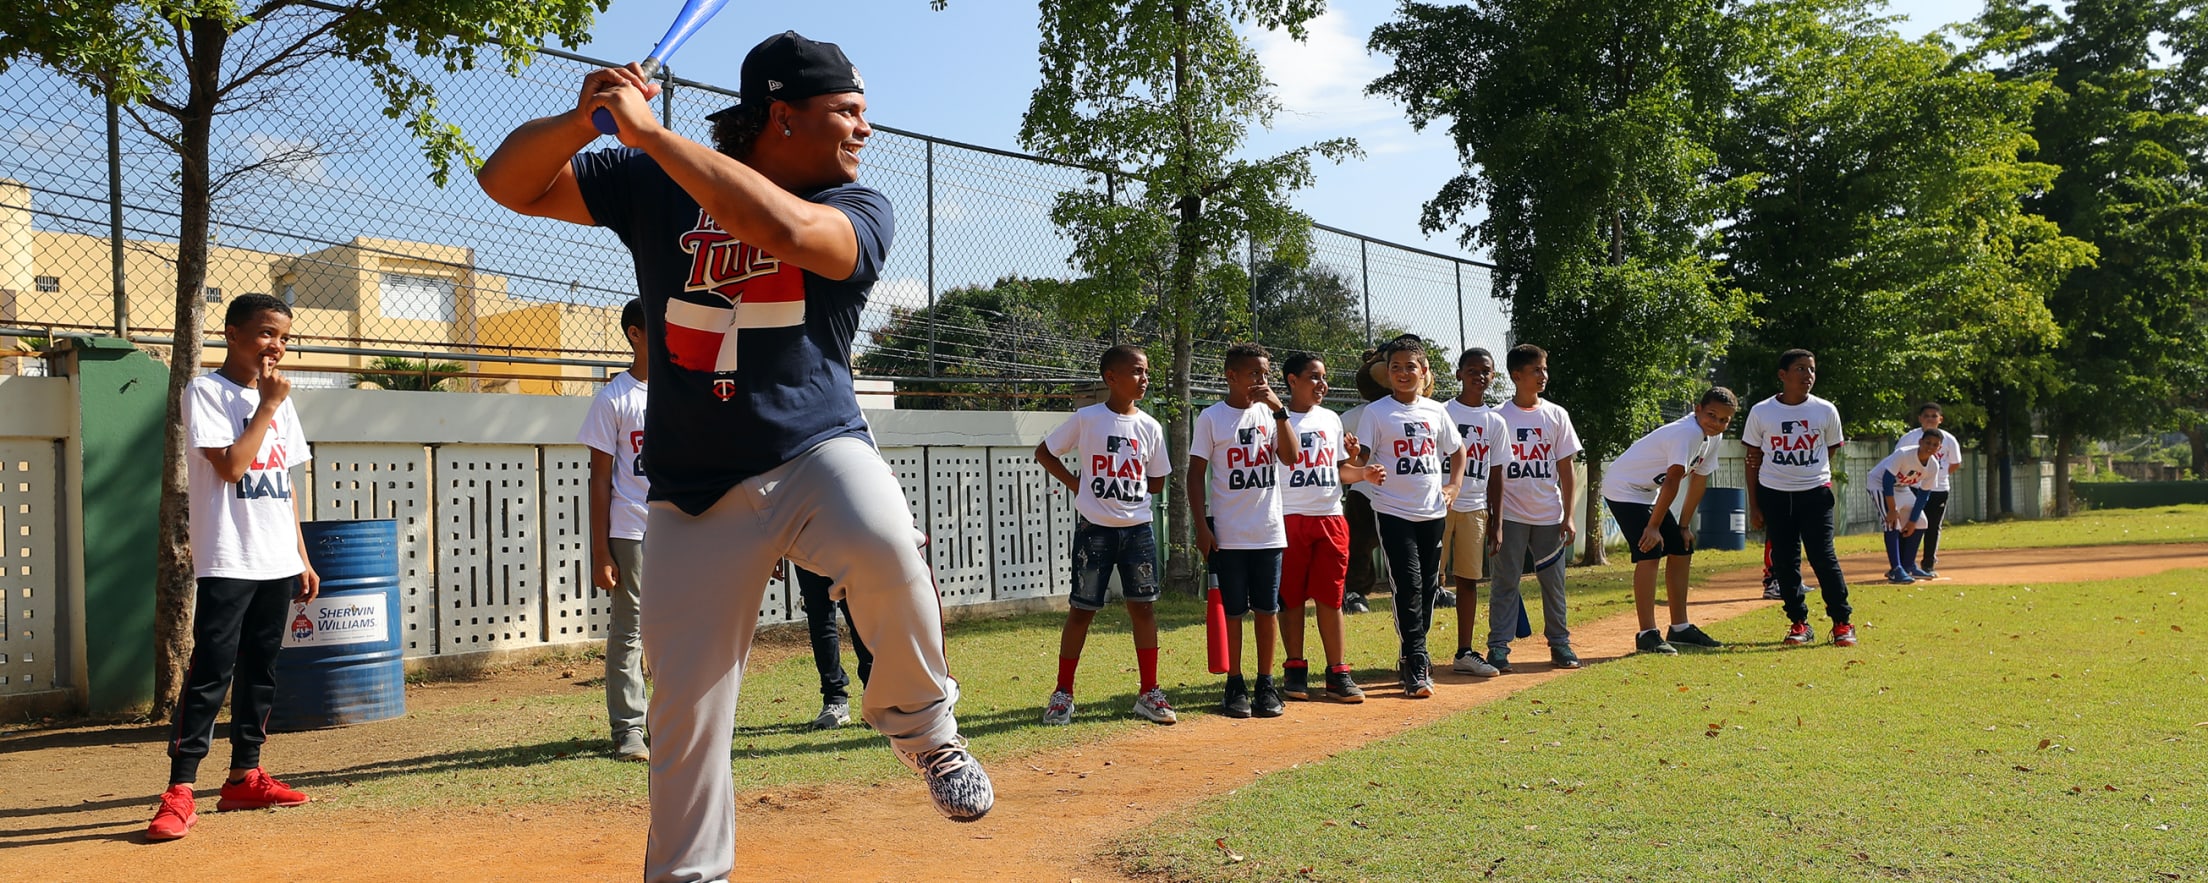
column 248, row 556
column 1464, row 543
column 1317, row 557
column 1123, row 464
column 1896, row 486
column 613, row 429
column 1239, row 525
column 1531, row 497
column 1791, row 441
column 1640, row 487
column 1415, row 444
column 1936, row 486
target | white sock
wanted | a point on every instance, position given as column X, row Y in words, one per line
column 1651, row 632
column 1678, row 627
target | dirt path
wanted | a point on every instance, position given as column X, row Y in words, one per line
column 69, row 808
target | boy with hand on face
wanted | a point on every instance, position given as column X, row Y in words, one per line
column 1240, row 443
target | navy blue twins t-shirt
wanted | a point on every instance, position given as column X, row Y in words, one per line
column 750, row 357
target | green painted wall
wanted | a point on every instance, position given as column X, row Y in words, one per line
column 125, row 402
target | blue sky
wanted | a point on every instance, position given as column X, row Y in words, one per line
column 966, row 73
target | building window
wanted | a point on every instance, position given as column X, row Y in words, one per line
column 47, row 284
column 291, row 297
column 214, row 294
column 420, row 298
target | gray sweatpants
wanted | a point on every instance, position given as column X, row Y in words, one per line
column 836, row 510
column 1505, row 605
column 624, row 643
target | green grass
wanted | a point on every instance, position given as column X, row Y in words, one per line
column 549, row 748
column 1978, row 733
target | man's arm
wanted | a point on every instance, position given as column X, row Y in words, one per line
column 530, row 171
column 601, row 520
column 1569, row 485
column 1197, row 504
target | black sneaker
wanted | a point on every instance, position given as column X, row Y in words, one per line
column 1267, row 703
column 1236, row 704
column 1693, row 636
column 1417, row 683
column 1295, row 682
column 1771, row 591
column 1499, row 657
column 1445, row 599
column 1354, row 602
column 1342, row 688
column 1650, row 641
column 1563, row 657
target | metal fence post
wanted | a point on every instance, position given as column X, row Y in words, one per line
column 1111, row 197
column 1462, row 344
column 667, row 98
column 933, row 319
column 115, row 217
column 1364, row 273
column 1253, row 288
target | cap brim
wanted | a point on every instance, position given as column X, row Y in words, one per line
column 715, row 116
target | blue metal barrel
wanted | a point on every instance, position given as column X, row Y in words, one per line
column 342, row 661
column 1724, row 521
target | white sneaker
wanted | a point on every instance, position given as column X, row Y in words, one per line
column 833, row 713
column 956, row 782
column 1060, row 710
column 1154, row 707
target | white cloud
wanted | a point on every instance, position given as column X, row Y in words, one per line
column 66, row 138
column 903, row 291
column 1321, row 80
column 288, row 158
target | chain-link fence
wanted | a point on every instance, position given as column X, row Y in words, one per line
column 327, row 204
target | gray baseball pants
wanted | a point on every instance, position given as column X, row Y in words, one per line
column 625, row 701
column 836, row 510
column 1520, row 542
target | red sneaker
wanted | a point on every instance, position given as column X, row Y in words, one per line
column 1799, row 633
column 258, row 790
column 175, row 817
column 1843, row 635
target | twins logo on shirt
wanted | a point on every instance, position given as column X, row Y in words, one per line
column 1416, row 453
column 1796, row 444
column 1117, row 474
column 1314, row 462
column 1250, row 463
column 1531, row 455
column 266, row 478
column 732, row 285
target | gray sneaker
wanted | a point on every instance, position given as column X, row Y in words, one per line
column 833, row 713
column 956, row 781
column 1060, row 710
column 1470, row 662
column 630, row 746
column 1154, row 708
column 1499, row 657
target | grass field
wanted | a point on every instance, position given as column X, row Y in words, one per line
column 550, row 748
column 1979, row 733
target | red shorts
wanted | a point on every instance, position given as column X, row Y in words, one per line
column 1316, row 561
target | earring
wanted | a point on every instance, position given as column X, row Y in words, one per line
column 785, row 131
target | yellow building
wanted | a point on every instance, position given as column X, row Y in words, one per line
column 419, row 299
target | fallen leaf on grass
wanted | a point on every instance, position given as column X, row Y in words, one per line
column 1232, row 856
column 2043, row 743
column 2021, row 768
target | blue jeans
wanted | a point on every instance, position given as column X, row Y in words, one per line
column 1099, row 550
column 820, row 619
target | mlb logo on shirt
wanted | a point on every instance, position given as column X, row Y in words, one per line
column 1414, row 430
column 1113, row 443
column 1308, row 440
column 1786, row 427
column 1529, row 433
column 1247, row 434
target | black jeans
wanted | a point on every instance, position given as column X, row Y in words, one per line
column 1363, row 538
column 1414, row 562
column 1935, row 510
column 237, row 627
column 820, row 617
column 1799, row 523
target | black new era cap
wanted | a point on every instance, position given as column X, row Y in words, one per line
column 789, row 67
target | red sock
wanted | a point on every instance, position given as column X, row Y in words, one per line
column 1065, row 673
column 1146, row 661
column 1296, row 663
column 1337, row 667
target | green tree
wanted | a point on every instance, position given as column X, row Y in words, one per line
column 177, row 66
column 413, row 375
column 1885, row 230
column 2123, row 120
column 1163, row 93
column 1586, row 132
column 1009, row 330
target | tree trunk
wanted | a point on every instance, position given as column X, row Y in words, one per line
column 1592, row 552
column 2065, row 440
column 175, row 591
column 2197, row 434
column 1181, row 569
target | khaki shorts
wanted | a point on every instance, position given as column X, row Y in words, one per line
column 1464, row 544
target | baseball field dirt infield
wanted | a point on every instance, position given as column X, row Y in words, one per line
column 74, row 801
